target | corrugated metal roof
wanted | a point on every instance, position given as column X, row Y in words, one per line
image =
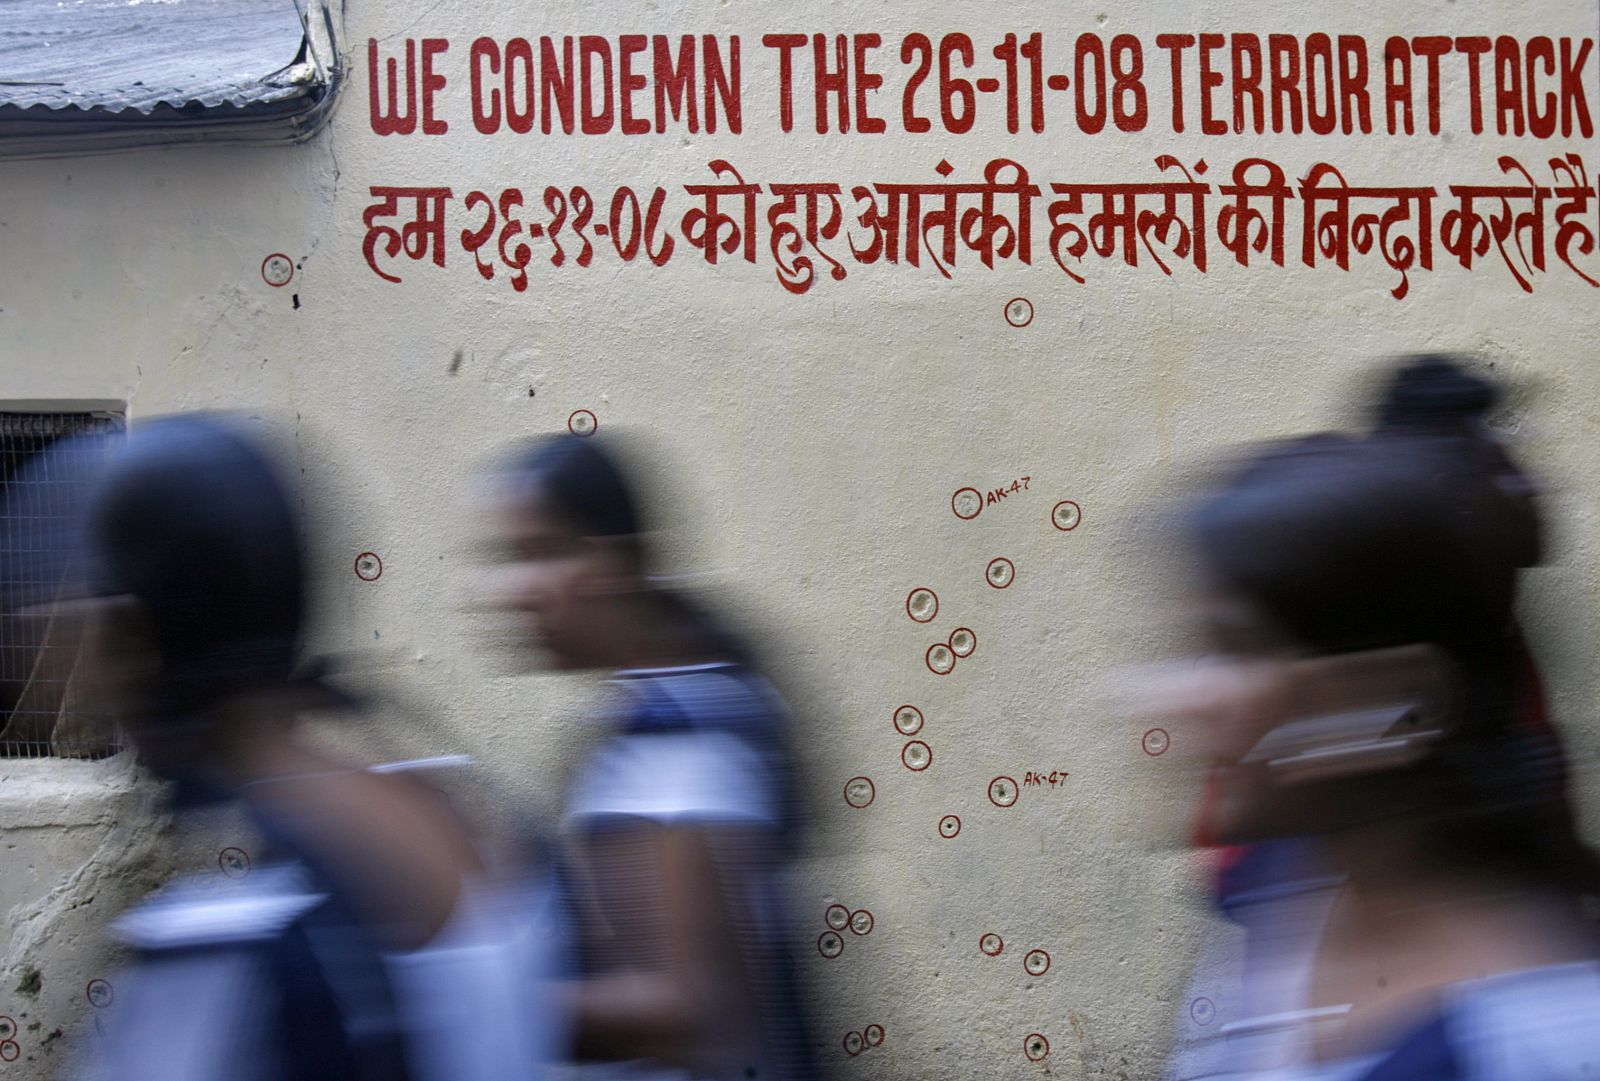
column 117, row 55
column 90, row 76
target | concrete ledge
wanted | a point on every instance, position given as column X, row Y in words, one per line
column 36, row 792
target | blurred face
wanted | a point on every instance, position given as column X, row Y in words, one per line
column 1241, row 690
column 569, row 590
column 116, row 673
column 1231, row 698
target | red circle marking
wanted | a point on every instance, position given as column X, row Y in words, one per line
column 843, row 921
column 1031, row 960
column 572, row 419
column 970, row 633
column 1203, row 1011
column 229, row 860
column 957, row 495
column 927, row 658
column 99, row 993
column 1156, row 742
column 1036, row 1047
column 870, row 922
column 915, row 728
column 1000, row 800
column 9, row 1050
column 1010, row 577
column 872, row 792
column 1077, row 516
column 1019, row 311
column 853, row 1043
column 953, row 822
column 373, row 570
column 906, row 754
column 999, row 944
column 873, row 1034
column 270, row 258
column 931, row 615
column 830, row 944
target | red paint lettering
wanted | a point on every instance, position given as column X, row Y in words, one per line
column 1508, row 85
column 432, row 83
column 594, row 57
column 1320, row 103
column 1354, row 102
column 394, row 120
column 1127, row 80
column 1209, row 80
column 628, row 83
column 1542, row 124
column 1284, row 61
column 1431, row 49
column 723, row 84
column 785, row 44
column 1397, row 85
column 835, row 82
column 555, row 83
column 519, row 73
column 1175, row 44
column 866, row 80
column 485, row 106
column 1090, row 120
column 1247, row 83
column 1474, row 48
column 675, row 83
column 915, row 43
column 1574, row 97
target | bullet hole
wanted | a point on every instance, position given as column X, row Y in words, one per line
column 32, row 980
column 455, row 362
column 922, row 604
column 916, row 755
column 296, row 299
column 908, row 720
column 531, row 394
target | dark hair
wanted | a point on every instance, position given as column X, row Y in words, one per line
column 1416, row 532
column 585, row 485
column 192, row 520
column 1408, row 534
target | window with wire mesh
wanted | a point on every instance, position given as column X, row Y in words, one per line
column 43, row 711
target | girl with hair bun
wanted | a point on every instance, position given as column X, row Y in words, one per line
column 1402, row 854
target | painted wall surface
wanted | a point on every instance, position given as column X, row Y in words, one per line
column 816, row 426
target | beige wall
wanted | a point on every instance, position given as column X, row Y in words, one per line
column 815, row 442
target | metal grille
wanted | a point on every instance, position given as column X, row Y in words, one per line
column 42, row 710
